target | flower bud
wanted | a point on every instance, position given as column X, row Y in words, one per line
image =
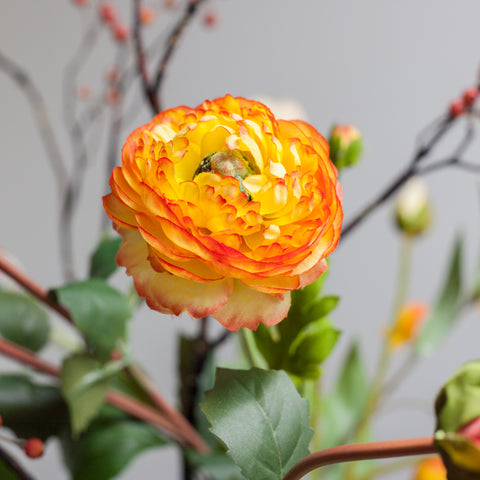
column 406, row 325
column 458, row 423
column 412, row 209
column 346, row 145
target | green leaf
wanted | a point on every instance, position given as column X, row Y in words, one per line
column 31, row 409
column 99, row 311
column 303, row 340
column 261, row 419
column 446, row 308
column 23, row 321
column 343, row 407
column 84, row 397
column 218, row 465
column 102, row 261
column 311, row 347
column 108, row 446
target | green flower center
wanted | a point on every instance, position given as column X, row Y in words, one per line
column 228, row 164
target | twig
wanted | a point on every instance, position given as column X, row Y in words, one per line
column 40, row 114
column 172, row 43
column 20, row 472
column 175, row 416
column 361, row 451
column 124, row 402
column 148, row 90
column 32, row 287
column 27, row 357
column 412, row 169
column 129, row 404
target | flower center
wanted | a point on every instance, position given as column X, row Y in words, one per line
column 228, row 164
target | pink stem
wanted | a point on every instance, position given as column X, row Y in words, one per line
column 126, row 403
column 361, row 451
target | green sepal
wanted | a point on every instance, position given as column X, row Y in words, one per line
column 460, row 455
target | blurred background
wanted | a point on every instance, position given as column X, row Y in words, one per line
column 387, row 67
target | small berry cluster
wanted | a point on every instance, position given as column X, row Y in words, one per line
column 460, row 106
column 109, row 17
column 33, row 447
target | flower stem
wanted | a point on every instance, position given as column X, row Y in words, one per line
column 361, row 451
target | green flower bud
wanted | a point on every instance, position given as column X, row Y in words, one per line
column 457, row 434
column 412, row 209
column 346, row 145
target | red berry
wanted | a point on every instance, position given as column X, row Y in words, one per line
column 120, row 32
column 81, row 3
column 469, row 96
column 107, row 12
column 1, row 421
column 210, row 19
column 456, row 108
column 34, row 447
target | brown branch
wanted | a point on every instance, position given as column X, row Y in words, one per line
column 10, row 462
column 361, row 451
column 126, row 403
column 175, row 416
column 172, row 43
column 20, row 77
column 32, row 287
column 149, row 92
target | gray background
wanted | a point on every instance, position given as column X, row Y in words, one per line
column 388, row 67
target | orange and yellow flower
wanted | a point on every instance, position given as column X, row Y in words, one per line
column 224, row 210
column 431, row 468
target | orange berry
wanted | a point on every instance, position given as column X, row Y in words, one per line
column 112, row 75
column 469, row 96
column 34, row 447
column 120, row 32
column 456, row 108
column 147, row 15
column 107, row 12
column 210, row 20
column 84, row 92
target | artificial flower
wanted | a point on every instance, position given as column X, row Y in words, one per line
column 224, row 210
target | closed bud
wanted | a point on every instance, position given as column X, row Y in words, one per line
column 412, row 208
column 407, row 325
column 346, row 145
column 457, row 434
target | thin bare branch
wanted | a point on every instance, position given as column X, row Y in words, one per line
column 45, row 129
column 172, row 44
